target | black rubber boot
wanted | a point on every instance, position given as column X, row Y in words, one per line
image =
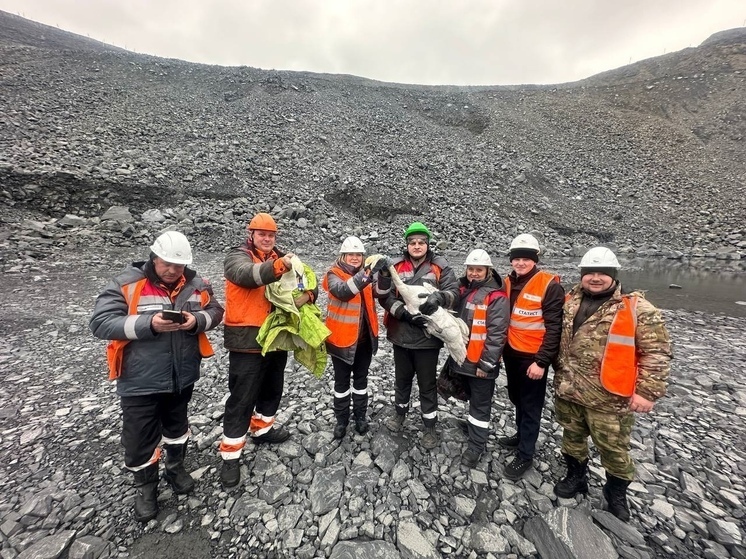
column 361, row 422
column 176, row 475
column 146, row 498
column 339, row 430
column 615, row 493
column 576, row 480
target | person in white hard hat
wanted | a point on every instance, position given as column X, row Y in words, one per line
column 536, row 299
column 156, row 314
column 351, row 317
column 484, row 306
column 613, row 362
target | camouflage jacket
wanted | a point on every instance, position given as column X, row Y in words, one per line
column 577, row 371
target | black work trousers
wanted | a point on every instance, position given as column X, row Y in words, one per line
column 256, row 383
column 527, row 396
column 480, row 391
column 424, row 364
column 146, row 419
column 358, row 370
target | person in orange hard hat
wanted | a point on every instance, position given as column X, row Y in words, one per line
column 255, row 381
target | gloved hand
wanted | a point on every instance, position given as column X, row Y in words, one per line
column 434, row 300
column 416, row 319
column 381, row 265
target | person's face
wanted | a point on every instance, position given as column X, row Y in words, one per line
column 596, row 282
column 476, row 273
column 417, row 246
column 264, row 240
column 354, row 259
column 167, row 272
column 522, row 266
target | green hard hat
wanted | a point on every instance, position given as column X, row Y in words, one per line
column 417, row 228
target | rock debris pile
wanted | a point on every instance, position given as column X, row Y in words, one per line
column 101, row 149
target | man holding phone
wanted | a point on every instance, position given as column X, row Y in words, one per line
column 156, row 314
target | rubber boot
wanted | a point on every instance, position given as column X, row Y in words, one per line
column 146, row 497
column 361, row 422
column 576, row 480
column 615, row 493
column 176, row 475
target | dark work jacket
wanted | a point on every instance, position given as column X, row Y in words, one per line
column 498, row 318
column 153, row 362
column 551, row 309
column 403, row 333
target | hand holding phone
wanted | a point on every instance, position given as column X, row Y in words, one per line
column 173, row 316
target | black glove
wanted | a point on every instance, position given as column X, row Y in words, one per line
column 434, row 300
column 416, row 319
column 381, row 265
column 419, row 320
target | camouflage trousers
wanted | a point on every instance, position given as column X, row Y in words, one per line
column 610, row 433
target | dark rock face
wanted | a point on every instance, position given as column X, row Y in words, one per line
column 100, row 149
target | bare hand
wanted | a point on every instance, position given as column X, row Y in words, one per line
column 160, row 324
column 189, row 321
column 639, row 404
column 288, row 260
column 302, row 299
column 480, row 373
column 535, row 372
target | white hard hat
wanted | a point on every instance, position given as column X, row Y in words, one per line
column 173, row 247
column 352, row 244
column 599, row 257
column 524, row 241
column 478, row 257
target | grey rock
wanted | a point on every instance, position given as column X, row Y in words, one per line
column 412, row 543
column 326, row 488
column 118, row 213
column 70, row 220
column 724, row 532
column 89, row 547
column 366, row 549
column 487, row 538
column 50, row 547
column 622, row 530
column 571, row 531
column 153, row 216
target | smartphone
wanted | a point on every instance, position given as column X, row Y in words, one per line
column 173, row 316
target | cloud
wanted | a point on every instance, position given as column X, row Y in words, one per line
column 410, row 41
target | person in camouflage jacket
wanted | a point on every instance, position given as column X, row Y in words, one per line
column 584, row 405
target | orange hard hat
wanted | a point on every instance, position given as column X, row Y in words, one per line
column 262, row 221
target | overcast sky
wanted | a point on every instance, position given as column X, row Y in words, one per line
column 460, row 42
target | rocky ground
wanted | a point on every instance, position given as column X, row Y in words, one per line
column 101, row 149
column 380, row 495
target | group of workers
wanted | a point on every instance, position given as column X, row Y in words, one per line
column 609, row 349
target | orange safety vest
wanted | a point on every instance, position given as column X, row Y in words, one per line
column 115, row 349
column 246, row 306
column 343, row 317
column 526, row 331
column 619, row 362
column 478, row 334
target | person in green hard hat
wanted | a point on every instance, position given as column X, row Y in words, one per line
column 415, row 353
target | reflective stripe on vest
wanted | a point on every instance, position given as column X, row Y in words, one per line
column 343, row 317
column 619, row 362
column 526, row 331
column 115, row 349
column 478, row 334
